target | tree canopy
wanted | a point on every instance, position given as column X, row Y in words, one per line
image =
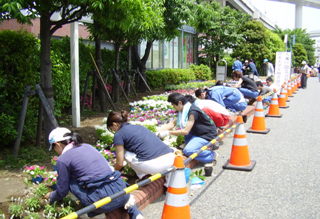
column 256, row 43
column 302, row 37
column 300, row 54
column 218, row 27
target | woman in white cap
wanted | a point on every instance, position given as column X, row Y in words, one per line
column 305, row 70
column 87, row 174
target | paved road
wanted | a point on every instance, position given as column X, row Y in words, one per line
column 285, row 181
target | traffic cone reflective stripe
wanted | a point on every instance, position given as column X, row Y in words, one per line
column 293, row 87
column 286, row 92
column 274, row 110
column 258, row 124
column 177, row 201
column 282, row 99
column 289, row 90
column 239, row 158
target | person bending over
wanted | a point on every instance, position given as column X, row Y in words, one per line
column 196, row 126
column 214, row 110
column 228, row 97
column 87, row 174
column 145, row 152
column 264, row 90
column 245, row 85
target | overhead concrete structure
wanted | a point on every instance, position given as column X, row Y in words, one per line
column 299, row 4
column 248, row 7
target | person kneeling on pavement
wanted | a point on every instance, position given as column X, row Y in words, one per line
column 141, row 148
column 264, row 90
column 87, row 174
column 197, row 127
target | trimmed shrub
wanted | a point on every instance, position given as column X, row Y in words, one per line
column 163, row 77
column 201, row 72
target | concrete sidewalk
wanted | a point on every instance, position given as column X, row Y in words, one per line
column 284, row 182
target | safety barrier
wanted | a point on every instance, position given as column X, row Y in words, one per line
column 154, row 177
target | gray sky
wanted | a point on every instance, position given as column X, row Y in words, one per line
column 283, row 14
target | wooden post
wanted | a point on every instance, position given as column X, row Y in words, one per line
column 144, row 81
column 22, row 117
column 39, row 125
column 119, row 83
column 46, row 106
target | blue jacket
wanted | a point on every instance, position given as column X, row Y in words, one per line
column 237, row 66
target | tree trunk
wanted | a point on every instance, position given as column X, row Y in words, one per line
column 115, row 86
column 45, row 69
column 142, row 63
column 102, row 97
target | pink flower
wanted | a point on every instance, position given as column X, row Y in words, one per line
column 42, row 167
column 53, row 180
column 46, row 179
column 55, row 174
column 38, row 175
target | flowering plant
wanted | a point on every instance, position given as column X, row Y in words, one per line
column 108, row 155
column 54, row 160
column 35, row 171
column 52, row 178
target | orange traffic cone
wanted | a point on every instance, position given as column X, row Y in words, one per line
column 177, row 201
column 295, row 81
column 240, row 159
column 289, row 89
column 259, row 124
column 282, row 98
column 274, row 110
column 286, row 91
column 293, row 87
column 299, row 84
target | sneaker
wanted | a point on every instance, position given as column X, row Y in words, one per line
column 139, row 216
column 215, row 146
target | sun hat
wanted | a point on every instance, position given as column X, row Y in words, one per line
column 304, row 62
column 246, row 61
column 265, row 60
column 57, row 135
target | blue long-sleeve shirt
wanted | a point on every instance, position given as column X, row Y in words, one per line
column 218, row 93
column 81, row 163
column 237, row 66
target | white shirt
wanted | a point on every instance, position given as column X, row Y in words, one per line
column 217, row 107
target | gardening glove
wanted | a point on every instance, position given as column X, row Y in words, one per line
column 130, row 203
column 163, row 134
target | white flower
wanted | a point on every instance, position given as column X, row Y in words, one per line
column 32, row 173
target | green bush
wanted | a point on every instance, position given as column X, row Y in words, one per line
column 163, row 77
column 19, row 67
column 201, row 72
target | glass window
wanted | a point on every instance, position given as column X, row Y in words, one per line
column 176, row 53
column 195, row 52
column 161, row 54
column 156, row 55
column 168, row 53
column 187, row 52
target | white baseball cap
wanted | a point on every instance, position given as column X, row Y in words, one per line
column 303, row 62
column 57, row 135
